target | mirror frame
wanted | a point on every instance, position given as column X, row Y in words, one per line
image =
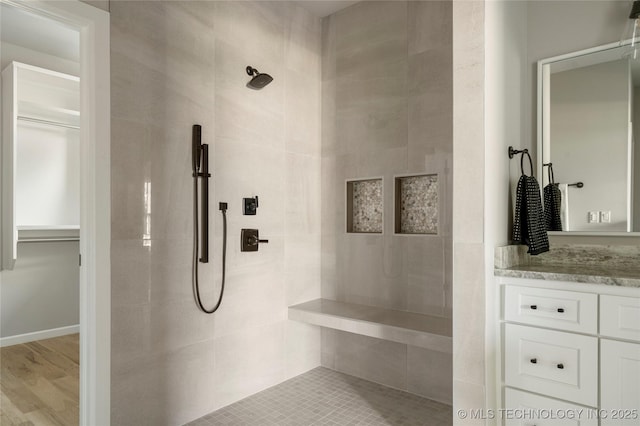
column 540, row 130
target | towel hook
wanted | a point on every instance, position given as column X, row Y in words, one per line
column 552, row 179
column 513, row 151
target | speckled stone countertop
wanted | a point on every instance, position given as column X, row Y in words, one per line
column 582, row 264
column 572, row 273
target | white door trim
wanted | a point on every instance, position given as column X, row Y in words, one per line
column 95, row 200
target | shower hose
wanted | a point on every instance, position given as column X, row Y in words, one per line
column 196, row 242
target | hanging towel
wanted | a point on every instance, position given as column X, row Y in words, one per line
column 552, row 207
column 564, row 205
column 528, row 226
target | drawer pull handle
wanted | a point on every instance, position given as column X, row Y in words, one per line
column 560, row 366
column 534, row 360
column 534, row 307
column 561, row 310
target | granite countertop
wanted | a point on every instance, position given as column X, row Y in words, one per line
column 618, row 276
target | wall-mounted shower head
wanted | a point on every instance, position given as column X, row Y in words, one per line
column 259, row 80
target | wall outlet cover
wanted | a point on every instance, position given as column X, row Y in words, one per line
column 605, row 217
column 593, row 217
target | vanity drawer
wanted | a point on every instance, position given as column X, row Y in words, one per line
column 520, row 404
column 554, row 363
column 564, row 310
column 620, row 317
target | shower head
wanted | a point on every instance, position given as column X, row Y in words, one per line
column 259, row 80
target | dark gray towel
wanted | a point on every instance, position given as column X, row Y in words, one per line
column 529, row 227
column 552, row 203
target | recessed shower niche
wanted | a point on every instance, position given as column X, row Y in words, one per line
column 416, row 204
column 365, row 206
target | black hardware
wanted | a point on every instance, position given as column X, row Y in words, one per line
column 561, row 310
column 534, row 307
column 200, row 164
column 550, row 174
column 250, row 240
column 250, row 205
column 513, row 151
column 560, row 366
column 200, row 161
column 577, row 184
column 534, row 360
column 635, row 10
column 259, row 79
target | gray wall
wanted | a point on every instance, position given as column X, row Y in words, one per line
column 552, row 29
column 589, row 119
column 41, row 292
column 387, row 111
column 175, row 64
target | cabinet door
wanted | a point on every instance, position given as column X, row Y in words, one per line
column 620, row 383
column 620, row 317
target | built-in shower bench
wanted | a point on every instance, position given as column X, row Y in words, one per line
column 425, row 331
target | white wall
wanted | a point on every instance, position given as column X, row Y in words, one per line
column 589, row 110
column 636, row 159
column 505, row 87
column 47, row 176
column 12, row 52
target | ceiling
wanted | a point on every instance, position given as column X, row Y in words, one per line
column 44, row 35
column 324, row 8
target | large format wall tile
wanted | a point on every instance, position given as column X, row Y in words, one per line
column 386, row 112
column 175, row 64
column 430, row 374
column 468, row 214
column 380, row 361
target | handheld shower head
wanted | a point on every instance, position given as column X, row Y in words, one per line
column 258, row 80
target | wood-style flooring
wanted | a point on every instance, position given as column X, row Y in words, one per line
column 39, row 382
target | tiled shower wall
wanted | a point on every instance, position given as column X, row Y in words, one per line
column 387, row 111
column 175, row 64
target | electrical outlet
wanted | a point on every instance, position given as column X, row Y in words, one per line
column 605, row 217
column 593, row 217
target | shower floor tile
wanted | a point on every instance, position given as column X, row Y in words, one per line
column 326, row 397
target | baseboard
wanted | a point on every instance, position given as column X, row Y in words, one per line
column 39, row 335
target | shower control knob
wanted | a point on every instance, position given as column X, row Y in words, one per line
column 250, row 240
column 255, row 241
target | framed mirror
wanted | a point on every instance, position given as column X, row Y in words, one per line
column 588, row 122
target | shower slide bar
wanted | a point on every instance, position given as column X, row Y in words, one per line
column 200, row 171
column 47, row 122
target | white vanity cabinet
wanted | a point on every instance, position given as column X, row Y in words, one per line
column 570, row 353
column 620, row 360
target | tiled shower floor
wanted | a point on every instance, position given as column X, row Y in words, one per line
column 326, row 397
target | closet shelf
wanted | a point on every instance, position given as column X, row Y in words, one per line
column 43, row 233
column 425, row 331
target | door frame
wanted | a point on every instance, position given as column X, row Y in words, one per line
column 95, row 199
